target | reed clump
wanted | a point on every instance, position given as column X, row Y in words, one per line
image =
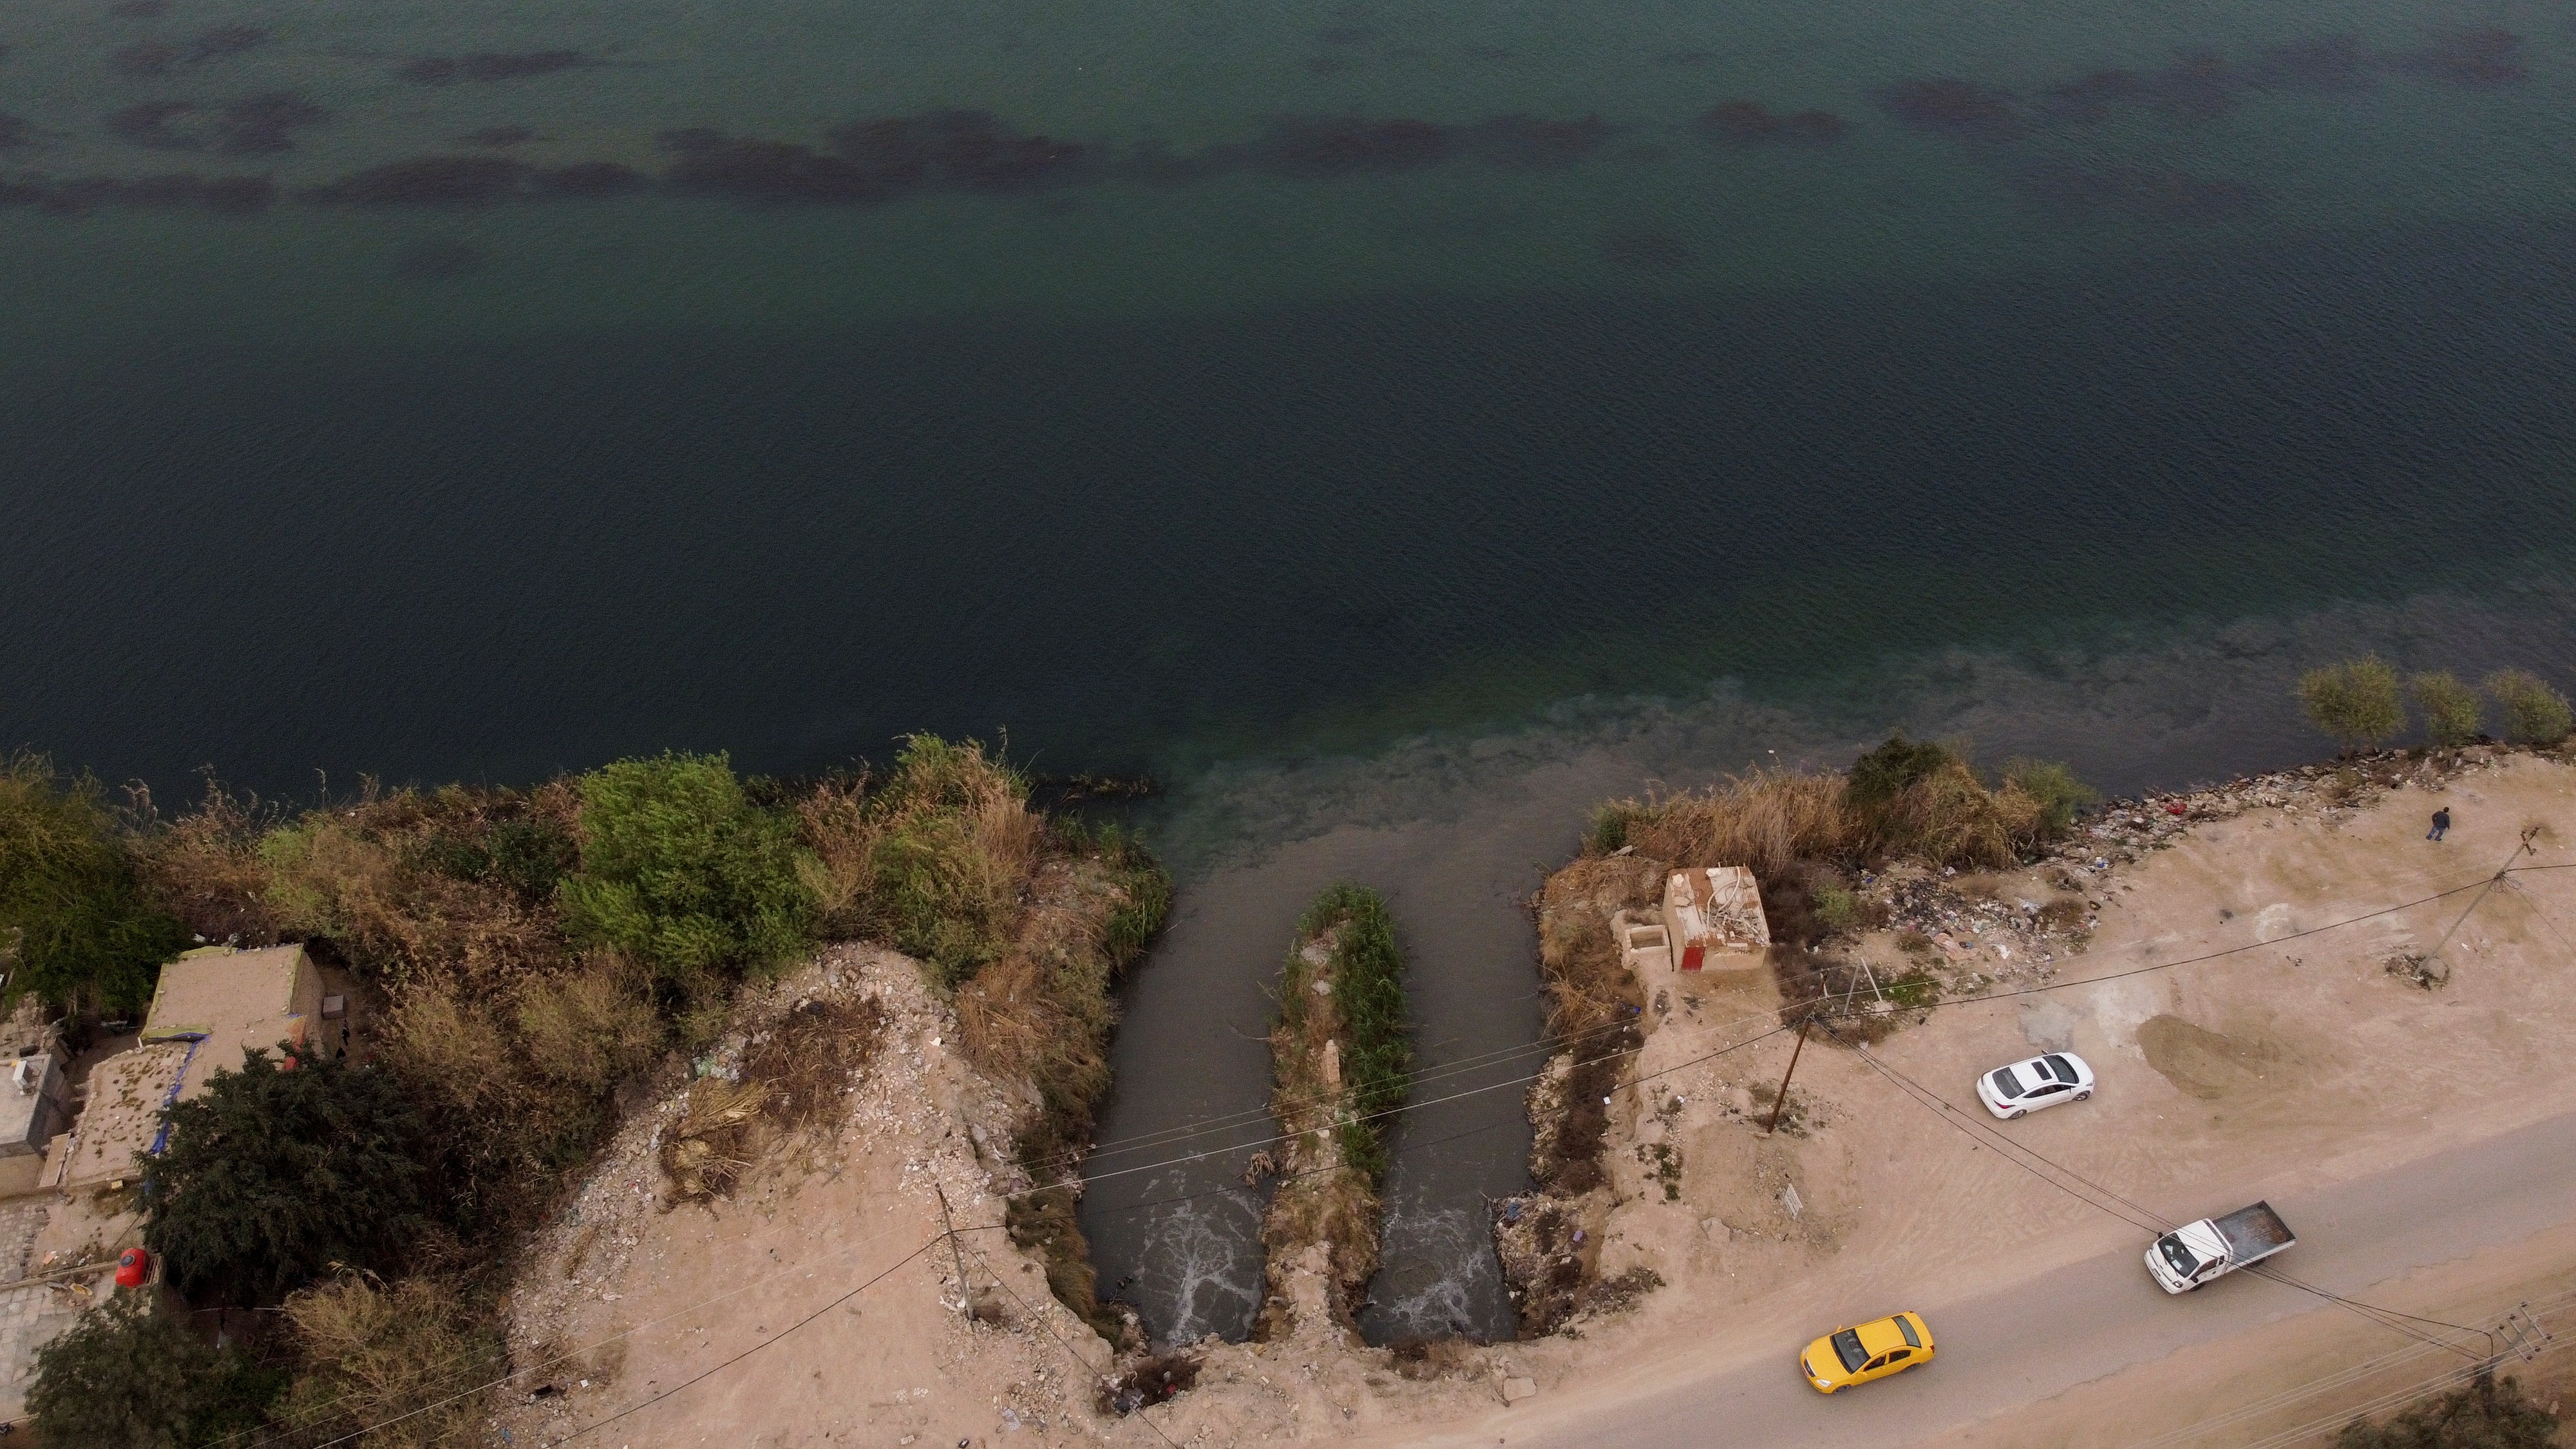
column 1902, row 800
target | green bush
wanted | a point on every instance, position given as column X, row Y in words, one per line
column 275, row 1174
column 70, row 909
column 2485, row 1415
column 953, row 847
column 2056, row 789
column 2534, row 713
column 1368, row 993
column 1879, row 777
column 1609, row 830
column 124, row 1377
column 682, row 872
column 2453, row 713
column 2354, row 703
column 1837, row 909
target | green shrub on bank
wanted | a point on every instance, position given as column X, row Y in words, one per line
column 74, row 925
column 2534, row 713
column 1368, row 994
column 2356, row 703
column 1881, row 776
column 681, row 871
column 276, row 1173
column 1836, row 907
column 2054, row 788
column 2453, row 713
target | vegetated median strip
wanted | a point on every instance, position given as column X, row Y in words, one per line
column 1339, row 1061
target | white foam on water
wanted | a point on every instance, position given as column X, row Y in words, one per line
column 1201, row 1271
column 1435, row 1264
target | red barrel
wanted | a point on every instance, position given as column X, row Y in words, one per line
column 132, row 1267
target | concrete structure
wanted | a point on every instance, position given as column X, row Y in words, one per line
column 212, row 1006
column 31, row 1104
column 121, row 1122
column 1713, row 919
column 236, row 1001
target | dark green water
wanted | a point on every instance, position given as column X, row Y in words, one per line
column 1360, row 416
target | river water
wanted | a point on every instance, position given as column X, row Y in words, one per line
column 1397, row 427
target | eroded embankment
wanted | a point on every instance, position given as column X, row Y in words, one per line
column 1339, row 1059
column 1548, row 1240
column 1039, row 1018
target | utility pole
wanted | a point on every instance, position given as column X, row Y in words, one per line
column 1781, row 1103
column 948, row 1228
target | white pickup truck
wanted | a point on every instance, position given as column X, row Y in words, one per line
column 2194, row 1253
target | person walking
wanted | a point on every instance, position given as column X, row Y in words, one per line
column 2441, row 824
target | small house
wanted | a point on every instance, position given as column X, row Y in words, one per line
column 213, row 1006
column 1713, row 919
column 31, row 1103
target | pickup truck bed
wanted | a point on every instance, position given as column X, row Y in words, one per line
column 2254, row 1233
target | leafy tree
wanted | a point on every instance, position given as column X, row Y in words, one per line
column 2534, row 713
column 124, row 1377
column 69, row 906
column 2453, row 713
column 2485, row 1415
column 281, row 1169
column 680, row 870
column 2355, row 702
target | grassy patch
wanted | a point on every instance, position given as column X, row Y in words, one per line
column 1914, row 989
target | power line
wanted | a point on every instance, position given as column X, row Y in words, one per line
column 1038, row 1318
column 1818, row 1001
column 2014, row 1152
column 710, row 1372
column 2488, row 882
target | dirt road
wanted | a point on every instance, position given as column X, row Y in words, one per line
column 2004, row 1350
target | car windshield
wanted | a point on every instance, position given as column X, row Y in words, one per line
column 1905, row 1325
column 2175, row 1253
column 2062, row 1068
column 2006, row 1084
column 1847, row 1348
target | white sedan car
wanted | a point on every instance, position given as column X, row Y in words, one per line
column 2025, row 1087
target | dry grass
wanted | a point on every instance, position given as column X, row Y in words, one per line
column 1770, row 821
column 807, row 1059
column 205, row 868
column 796, row 1070
column 380, row 1355
column 1041, row 1014
column 1765, row 821
column 936, row 861
column 712, row 1145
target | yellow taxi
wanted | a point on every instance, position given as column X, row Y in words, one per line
column 1855, row 1355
